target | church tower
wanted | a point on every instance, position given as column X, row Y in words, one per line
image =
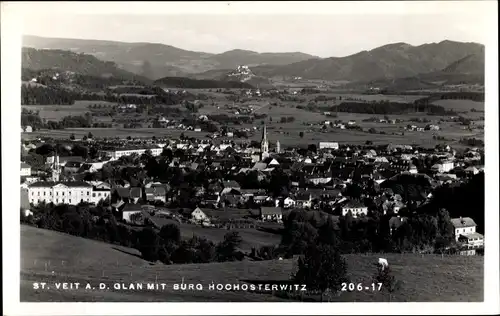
column 56, row 171
column 264, row 144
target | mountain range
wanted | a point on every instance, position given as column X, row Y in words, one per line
column 390, row 61
column 163, row 60
column 446, row 61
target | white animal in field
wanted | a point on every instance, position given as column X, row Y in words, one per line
column 382, row 262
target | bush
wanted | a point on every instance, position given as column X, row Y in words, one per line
column 388, row 280
column 170, row 233
column 149, row 244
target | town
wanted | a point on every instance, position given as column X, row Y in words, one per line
column 151, row 182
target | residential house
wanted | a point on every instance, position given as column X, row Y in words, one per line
column 465, row 232
column 247, row 194
column 271, row 214
column 303, row 200
column 230, row 199
column 211, row 200
column 432, row 127
column 472, row 240
column 229, row 186
column 261, row 198
column 100, row 192
column 156, row 193
column 72, row 166
column 129, row 210
column 25, row 169
column 471, row 170
column 198, row 216
column 466, row 251
column 27, row 180
column 355, row 207
column 129, row 194
column 319, row 180
column 288, row 202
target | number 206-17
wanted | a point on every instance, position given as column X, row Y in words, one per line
column 361, row 287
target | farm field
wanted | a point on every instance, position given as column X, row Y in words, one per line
column 286, row 133
column 426, row 278
column 291, row 139
column 366, row 97
column 56, row 112
column 113, row 132
column 460, row 105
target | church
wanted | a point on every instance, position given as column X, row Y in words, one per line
column 264, row 145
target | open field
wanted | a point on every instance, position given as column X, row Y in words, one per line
column 460, row 105
column 423, row 278
column 251, row 237
column 56, row 112
column 286, row 133
column 366, row 97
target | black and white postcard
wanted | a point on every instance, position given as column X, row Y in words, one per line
column 308, row 154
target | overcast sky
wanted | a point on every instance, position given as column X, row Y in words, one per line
column 326, row 35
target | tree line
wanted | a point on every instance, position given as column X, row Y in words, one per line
column 164, row 244
column 385, row 107
column 41, row 95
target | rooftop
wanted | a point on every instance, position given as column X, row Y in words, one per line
column 43, row 184
column 265, row 210
column 463, row 222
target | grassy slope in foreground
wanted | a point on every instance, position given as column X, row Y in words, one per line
column 424, row 278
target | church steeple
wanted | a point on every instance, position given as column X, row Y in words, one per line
column 264, row 143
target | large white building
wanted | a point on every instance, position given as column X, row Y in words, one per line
column 71, row 193
column 444, row 166
column 356, row 208
column 25, row 169
column 119, row 152
column 328, row 145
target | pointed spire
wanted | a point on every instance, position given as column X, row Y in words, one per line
column 264, row 133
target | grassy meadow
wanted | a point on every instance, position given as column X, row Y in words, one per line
column 428, row 278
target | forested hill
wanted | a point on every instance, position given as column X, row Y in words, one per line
column 70, row 62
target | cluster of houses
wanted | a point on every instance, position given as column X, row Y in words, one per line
column 318, row 180
column 428, row 127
